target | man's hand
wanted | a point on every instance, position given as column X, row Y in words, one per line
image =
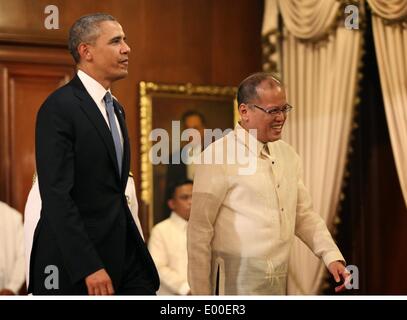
column 338, row 271
column 6, row 292
column 99, row 283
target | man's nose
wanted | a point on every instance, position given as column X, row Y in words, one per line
column 125, row 48
column 280, row 115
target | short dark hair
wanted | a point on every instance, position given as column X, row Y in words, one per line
column 173, row 187
column 85, row 29
column 247, row 90
column 191, row 113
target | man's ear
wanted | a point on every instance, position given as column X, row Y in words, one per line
column 243, row 111
column 84, row 52
column 170, row 204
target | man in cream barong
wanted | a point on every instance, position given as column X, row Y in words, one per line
column 243, row 222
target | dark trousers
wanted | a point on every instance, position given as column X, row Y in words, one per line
column 136, row 280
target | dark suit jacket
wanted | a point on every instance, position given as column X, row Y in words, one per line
column 84, row 218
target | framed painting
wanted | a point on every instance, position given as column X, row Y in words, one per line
column 162, row 109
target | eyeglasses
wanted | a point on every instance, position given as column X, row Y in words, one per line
column 275, row 111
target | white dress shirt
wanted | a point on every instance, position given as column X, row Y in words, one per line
column 98, row 92
column 11, row 249
column 168, row 247
column 243, row 225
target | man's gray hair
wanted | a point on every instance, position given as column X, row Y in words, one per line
column 247, row 90
column 85, row 30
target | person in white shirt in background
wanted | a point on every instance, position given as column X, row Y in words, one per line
column 168, row 241
column 11, row 250
column 33, row 209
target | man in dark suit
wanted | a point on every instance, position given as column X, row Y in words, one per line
column 86, row 241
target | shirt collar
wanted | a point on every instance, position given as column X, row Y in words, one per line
column 94, row 88
column 181, row 222
column 252, row 144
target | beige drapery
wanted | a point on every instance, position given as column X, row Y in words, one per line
column 389, row 9
column 308, row 19
column 320, row 63
column 390, row 37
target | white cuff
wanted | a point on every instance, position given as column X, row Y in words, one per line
column 332, row 256
column 184, row 289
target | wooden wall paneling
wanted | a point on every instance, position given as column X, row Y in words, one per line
column 207, row 42
column 236, row 40
column 28, row 88
column 4, row 138
column 26, row 82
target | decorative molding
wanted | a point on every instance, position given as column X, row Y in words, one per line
column 186, row 89
column 145, row 146
column 57, row 56
column 32, row 39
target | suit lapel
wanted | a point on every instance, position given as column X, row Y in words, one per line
column 92, row 111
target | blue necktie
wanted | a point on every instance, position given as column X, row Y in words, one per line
column 114, row 130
